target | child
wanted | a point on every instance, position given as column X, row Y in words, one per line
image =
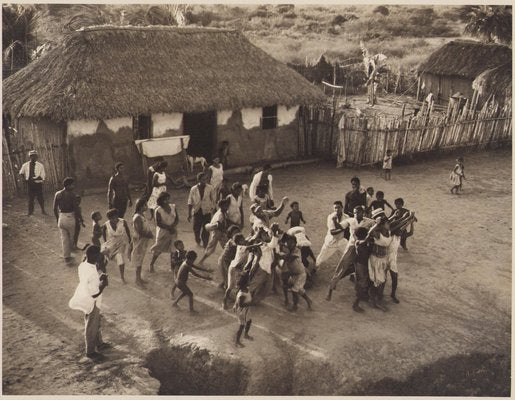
column 399, row 214
column 363, row 249
column 176, row 259
column 457, row 176
column 96, row 231
column 79, row 221
column 228, row 254
column 242, row 309
column 370, row 199
column 295, row 215
column 117, row 238
column 387, row 165
column 380, row 202
column 182, row 278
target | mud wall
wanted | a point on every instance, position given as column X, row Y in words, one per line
column 248, row 143
column 95, row 146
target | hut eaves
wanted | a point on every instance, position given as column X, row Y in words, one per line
column 497, row 81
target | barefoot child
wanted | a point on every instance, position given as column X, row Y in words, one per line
column 182, row 278
column 295, row 215
column 79, row 221
column 242, row 309
column 96, row 229
column 457, row 176
column 380, row 202
column 387, row 165
column 363, row 249
column 176, row 259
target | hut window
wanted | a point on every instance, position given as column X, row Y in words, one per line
column 141, row 126
column 269, row 118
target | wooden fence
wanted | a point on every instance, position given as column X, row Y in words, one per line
column 361, row 141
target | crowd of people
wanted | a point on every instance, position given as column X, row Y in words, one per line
column 267, row 259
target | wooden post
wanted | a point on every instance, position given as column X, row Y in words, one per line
column 418, row 87
column 387, row 79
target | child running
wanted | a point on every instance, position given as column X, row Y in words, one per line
column 182, row 278
column 295, row 215
column 242, row 309
column 457, row 176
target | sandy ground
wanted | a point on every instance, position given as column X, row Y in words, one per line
column 454, row 287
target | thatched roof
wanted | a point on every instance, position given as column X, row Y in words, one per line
column 465, row 58
column 105, row 72
column 495, row 81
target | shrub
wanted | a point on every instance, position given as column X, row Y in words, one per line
column 382, row 10
column 290, row 15
column 203, row 17
column 284, row 8
column 338, row 20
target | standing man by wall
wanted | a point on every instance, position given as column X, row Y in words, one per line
column 118, row 193
column 34, row 174
column 64, row 210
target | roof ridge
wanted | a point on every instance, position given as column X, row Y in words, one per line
column 156, row 28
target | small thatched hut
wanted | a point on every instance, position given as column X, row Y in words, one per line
column 453, row 67
column 495, row 83
column 128, row 93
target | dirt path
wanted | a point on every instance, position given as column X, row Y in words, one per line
column 454, row 287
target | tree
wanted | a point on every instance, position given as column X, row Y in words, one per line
column 18, row 38
column 492, row 24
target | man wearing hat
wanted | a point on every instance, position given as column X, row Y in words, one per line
column 34, row 174
column 346, row 263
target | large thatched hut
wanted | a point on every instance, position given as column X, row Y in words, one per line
column 495, row 84
column 127, row 93
column 454, row 66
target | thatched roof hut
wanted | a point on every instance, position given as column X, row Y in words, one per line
column 456, row 64
column 496, row 81
column 107, row 71
column 465, row 58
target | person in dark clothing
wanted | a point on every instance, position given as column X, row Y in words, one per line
column 356, row 197
column 380, row 202
column 363, row 249
column 34, row 174
column 118, row 193
column 65, row 205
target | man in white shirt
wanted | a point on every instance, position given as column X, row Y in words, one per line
column 33, row 172
column 262, row 178
column 201, row 202
column 349, row 256
column 335, row 239
column 235, row 210
column 88, row 299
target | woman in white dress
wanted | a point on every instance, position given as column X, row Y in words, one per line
column 166, row 231
column 118, row 243
column 158, row 186
column 216, row 175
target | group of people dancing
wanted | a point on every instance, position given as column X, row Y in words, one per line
column 268, row 259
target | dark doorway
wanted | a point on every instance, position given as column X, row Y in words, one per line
column 202, row 130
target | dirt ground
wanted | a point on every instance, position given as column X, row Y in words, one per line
column 454, row 288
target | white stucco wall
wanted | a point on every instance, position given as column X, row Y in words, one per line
column 82, row 127
column 116, row 124
column 163, row 122
column 286, row 115
column 251, row 117
column 223, row 116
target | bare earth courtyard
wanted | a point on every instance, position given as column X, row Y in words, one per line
column 454, row 288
